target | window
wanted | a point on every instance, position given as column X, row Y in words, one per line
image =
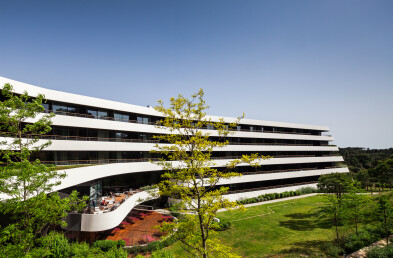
column 46, row 106
column 92, row 113
column 71, row 109
column 142, row 120
column 121, row 117
column 251, row 128
column 59, row 108
column 210, row 127
column 239, row 128
column 118, row 117
column 102, row 114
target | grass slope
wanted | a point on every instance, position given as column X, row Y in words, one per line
column 284, row 229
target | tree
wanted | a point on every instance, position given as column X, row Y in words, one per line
column 384, row 172
column 25, row 182
column 356, row 207
column 190, row 176
column 385, row 214
column 364, row 177
column 336, row 183
column 333, row 210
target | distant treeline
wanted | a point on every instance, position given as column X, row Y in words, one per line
column 359, row 158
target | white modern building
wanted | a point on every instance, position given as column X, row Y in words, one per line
column 114, row 140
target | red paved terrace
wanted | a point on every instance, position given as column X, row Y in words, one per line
column 138, row 228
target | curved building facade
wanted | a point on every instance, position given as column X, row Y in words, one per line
column 103, row 146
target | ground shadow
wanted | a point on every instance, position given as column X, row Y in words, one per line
column 312, row 248
column 305, row 221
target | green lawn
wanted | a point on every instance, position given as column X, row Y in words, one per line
column 289, row 228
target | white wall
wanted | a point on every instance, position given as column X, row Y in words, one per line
column 109, row 220
column 281, row 175
column 245, row 195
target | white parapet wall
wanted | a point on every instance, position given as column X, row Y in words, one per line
column 108, row 220
column 245, row 195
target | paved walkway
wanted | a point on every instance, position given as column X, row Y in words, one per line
column 275, row 200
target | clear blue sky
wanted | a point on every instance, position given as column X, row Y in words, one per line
column 315, row 62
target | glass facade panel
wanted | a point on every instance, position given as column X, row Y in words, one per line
column 142, row 120
column 59, row 108
column 92, row 113
column 46, row 106
column 102, row 114
column 118, row 117
column 71, row 109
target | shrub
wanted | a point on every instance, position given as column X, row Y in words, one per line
column 116, row 252
column 307, row 190
column 162, row 254
column 83, row 250
column 106, row 245
column 58, row 245
column 224, row 225
column 332, row 249
column 381, row 252
column 366, row 236
column 151, row 247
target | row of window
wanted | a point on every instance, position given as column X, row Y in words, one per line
column 105, row 135
column 91, row 112
column 116, row 156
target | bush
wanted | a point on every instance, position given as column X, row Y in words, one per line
column 83, row 250
column 307, row 190
column 332, row 249
column 381, row 252
column 116, row 252
column 106, row 245
column 224, row 225
column 151, row 247
column 58, row 245
column 366, row 236
column 162, row 254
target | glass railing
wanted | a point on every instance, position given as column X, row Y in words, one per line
column 112, row 161
column 155, row 123
column 84, row 138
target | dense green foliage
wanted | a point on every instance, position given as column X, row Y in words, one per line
column 25, row 182
column 336, row 183
column 151, row 247
column 381, row 252
column 359, row 158
column 106, row 245
column 365, row 237
column 58, row 246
